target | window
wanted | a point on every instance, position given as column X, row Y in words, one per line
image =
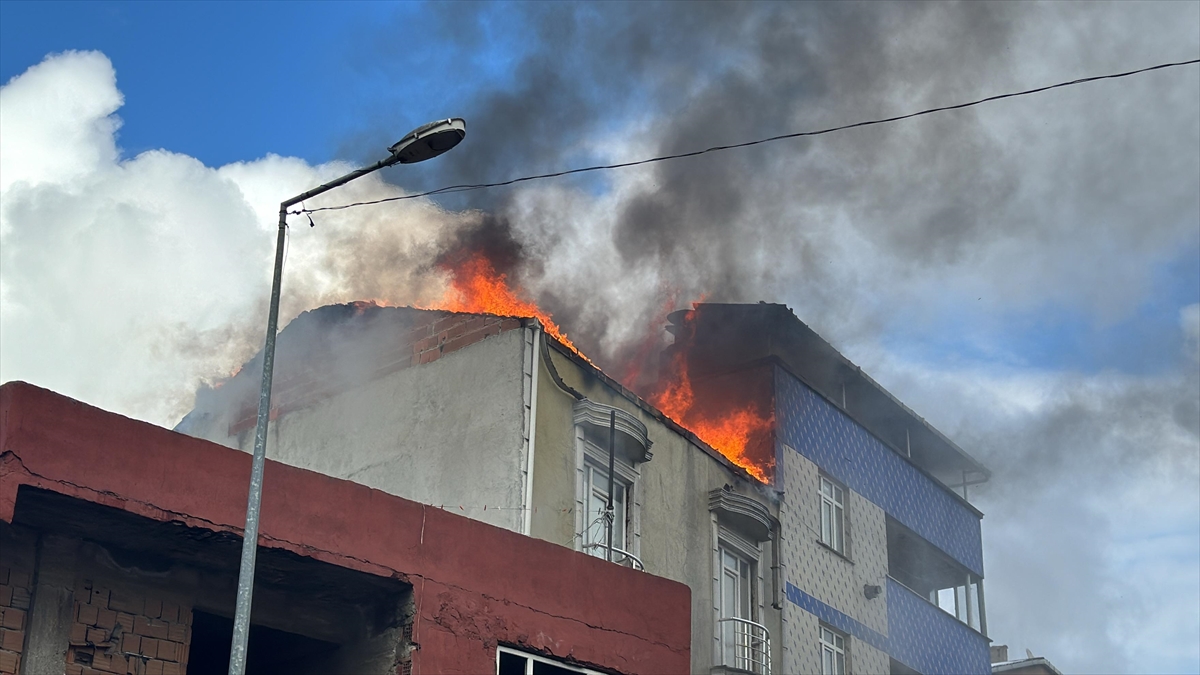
column 740, row 526
column 513, row 662
column 833, row 652
column 742, row 642
column 737, row 601
column 596, row 425
column 833, row 515
column 595, row 490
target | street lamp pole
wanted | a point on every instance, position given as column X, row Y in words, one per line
column 423, row 143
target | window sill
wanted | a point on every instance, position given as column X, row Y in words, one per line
column 834, row 551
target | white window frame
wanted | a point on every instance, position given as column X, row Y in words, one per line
column 833, row 514
column 627, row 474
column 833, row 644
column 531, row 659
column 726, row 540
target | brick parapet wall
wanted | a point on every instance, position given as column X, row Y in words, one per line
column 127, row 631
column 16, row 586
column 432, row 335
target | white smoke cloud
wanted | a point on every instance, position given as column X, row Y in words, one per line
column 126, row 282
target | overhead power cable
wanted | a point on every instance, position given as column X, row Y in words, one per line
column 772, row 139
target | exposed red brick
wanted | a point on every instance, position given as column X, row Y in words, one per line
column 101, row 661
column 9, row 662
column 131, row 643
column 18, row 578
column 78, row 634
column 426, row 344
column 20, row 597
column 168, row 651
column 154, row 667
column 172, row 669
column 154, row 628
column 149, row 647
column 74, row 669
column 106, row 618
column 87, row 615
column 12, row 640
column 6, row 594
column 153, row 608
column 97, row 635
column 449, row 322
column 12, row 618
column 125, row 602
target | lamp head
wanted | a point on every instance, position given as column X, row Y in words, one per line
column 428, row 141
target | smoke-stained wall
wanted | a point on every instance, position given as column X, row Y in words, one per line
column 440, row 419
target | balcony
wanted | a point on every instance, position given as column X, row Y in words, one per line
column 928, row 639
column 929, row 572
column 745, row 647
column 620, row 557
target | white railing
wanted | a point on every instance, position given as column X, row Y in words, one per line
column 620, row 557
column 745, row 645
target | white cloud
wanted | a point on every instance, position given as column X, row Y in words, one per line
column 125, row 282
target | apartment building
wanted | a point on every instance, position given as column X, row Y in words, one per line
column 850, row 552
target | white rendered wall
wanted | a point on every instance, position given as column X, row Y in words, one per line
column 447, row 432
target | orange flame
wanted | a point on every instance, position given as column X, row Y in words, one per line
column 477, row 288
column 728, row 432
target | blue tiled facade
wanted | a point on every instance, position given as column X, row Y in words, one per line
column 915, row 632
column 920, row 635
column 929, row 640
column 830, row 439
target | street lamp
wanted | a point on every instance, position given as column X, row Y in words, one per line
column 422, row 143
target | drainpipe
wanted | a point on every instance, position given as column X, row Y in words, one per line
column 612, row 456
column 776, row 575
column 527, row 525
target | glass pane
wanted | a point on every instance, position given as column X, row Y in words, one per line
column 960, row 603
column 946, row 599
column 827, row 661
column 826, row 522
column 840, row 669
column 511, row 664
column 837, row 529
column 746, row 611
column 837, row 494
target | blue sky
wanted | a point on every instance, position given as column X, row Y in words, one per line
column 1025, row 275
column 287, row 78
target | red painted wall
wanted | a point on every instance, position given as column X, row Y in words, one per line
column 474, row 584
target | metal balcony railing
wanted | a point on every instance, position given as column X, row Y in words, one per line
column 745, row 645
column 620, row 557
